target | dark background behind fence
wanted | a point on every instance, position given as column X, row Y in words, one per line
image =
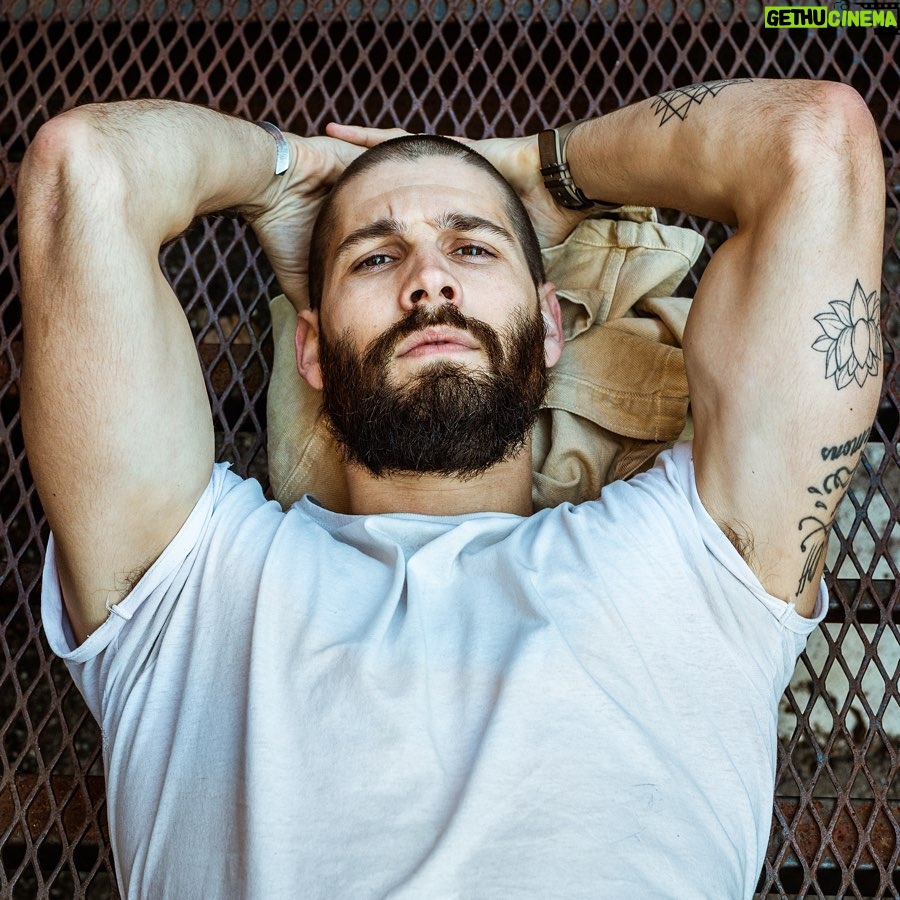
column 476, row 69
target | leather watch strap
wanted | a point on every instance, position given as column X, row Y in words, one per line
column 557, row 175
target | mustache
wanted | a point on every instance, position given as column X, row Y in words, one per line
column 421, row 317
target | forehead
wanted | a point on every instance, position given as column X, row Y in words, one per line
column 419, row 190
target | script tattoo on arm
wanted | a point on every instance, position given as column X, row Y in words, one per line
column 851, row 338
column 848, row 448
column 815, row 527
column 677, row 103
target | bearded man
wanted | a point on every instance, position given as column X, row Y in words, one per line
column 441, row 693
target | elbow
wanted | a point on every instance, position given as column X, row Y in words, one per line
column 65, row 187
column 833, row 146
column 41, row 174
column 66, row 159
column 55, row 149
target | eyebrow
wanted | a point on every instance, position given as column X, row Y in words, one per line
column 454, row 221
column 446, row 221
column 378, row 229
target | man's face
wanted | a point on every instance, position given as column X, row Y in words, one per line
column 431, row 341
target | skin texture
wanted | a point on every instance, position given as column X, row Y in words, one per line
column 117, row 423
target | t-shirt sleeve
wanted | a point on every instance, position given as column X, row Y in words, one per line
column 770, row 630
column 226, row 498
column 646, row 568
column 726, row 556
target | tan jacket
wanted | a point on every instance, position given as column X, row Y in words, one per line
column 617, row 396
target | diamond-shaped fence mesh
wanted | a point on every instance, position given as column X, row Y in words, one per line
column 456, row 66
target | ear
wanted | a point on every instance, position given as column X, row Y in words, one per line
column 306, row 342
column 550, row 313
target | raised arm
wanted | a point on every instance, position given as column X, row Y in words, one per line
column 782, row 347
column 116, row 419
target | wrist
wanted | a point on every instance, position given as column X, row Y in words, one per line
column 552, row 223
column 236, row 160
column 282, row 149
column 275, row 169
column 557, row 175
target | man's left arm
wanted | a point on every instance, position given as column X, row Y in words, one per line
column 782, row 347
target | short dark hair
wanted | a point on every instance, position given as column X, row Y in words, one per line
column 412, row 147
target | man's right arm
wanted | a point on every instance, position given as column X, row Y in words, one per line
column 117, row 423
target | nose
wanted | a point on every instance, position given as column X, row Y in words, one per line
column 431, row 281
column 420, row 294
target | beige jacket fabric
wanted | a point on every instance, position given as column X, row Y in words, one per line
column 617, row 397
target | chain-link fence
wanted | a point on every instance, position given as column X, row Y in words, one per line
column 455, row 66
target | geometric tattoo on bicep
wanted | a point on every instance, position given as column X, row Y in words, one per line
column 675, row 104
column 851, row 338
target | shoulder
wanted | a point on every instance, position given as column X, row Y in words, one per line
column 648, row 516
column 224, row 510
column 664, row 491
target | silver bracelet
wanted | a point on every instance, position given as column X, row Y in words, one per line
column 283, row 151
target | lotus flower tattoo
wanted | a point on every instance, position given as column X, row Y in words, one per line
column 852, row 340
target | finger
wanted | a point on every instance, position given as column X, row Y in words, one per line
column 342, row 153
column 361, row 135
column 336, row 155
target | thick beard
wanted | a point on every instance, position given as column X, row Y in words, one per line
column 446, row 420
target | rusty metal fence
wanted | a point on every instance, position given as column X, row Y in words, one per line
column 463, row 67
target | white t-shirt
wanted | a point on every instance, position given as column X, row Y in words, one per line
column 580, row 703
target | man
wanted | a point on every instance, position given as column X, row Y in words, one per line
column 442, row 695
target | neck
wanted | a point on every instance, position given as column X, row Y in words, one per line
column 505, row 487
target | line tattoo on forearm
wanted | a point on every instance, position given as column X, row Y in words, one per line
column 851, row 338
column 815, row 527
column 848, row 448
column 677, row 103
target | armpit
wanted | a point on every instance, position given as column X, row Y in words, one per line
column 126, row 582
column 741, row 539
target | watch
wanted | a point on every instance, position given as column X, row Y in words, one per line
column 557, row 175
